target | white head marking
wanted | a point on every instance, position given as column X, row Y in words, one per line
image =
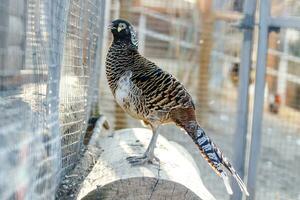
column 121, row 27
column 134, row 39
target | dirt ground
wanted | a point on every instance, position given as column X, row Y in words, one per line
column 70, row 185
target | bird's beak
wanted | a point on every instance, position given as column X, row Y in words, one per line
column 111, row 26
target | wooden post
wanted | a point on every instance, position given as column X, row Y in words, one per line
column 175, row 176
column 272, row 62
column 283, row 69
column 206, row 44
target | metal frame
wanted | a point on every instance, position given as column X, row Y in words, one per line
column 240, row 139
column 284, row 22
column 259, row 94
column 266, row 23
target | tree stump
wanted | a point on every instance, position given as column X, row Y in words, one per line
column 175, row 176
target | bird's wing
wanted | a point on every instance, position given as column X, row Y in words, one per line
column 161, row 90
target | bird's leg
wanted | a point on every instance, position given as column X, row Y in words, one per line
column 148, row 156
column 150, row 149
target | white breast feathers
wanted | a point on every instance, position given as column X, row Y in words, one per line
column 123, row 90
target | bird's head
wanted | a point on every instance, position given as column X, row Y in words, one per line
column 123, row 31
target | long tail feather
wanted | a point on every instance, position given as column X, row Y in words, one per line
column 226, row 183
column 216, row 159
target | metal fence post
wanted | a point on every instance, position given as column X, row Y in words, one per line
column 259, row 95
column 99, row 56
column 240, row 139
column 142, row 32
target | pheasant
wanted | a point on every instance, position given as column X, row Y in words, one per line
column 156, row 97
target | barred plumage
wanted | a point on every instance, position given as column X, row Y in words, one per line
column 159, row 90
column 148, row 93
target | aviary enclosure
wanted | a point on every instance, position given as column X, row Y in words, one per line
column 239, row 59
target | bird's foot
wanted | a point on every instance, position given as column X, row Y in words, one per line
column 111, row 134
column 140, row 160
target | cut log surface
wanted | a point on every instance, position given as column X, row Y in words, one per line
column 175, row 176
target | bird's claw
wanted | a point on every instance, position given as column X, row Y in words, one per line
column 140, row 160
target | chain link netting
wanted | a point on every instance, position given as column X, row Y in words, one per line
column 48, row 84
column 202, row 48
column 201, row 53
column 78, row 75
column 51, row 53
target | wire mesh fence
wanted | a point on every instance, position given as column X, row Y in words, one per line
column 201, row 52
column 279, row 161
column 51, row 81
column 79, row 74
column 183, row 40
column 49, row 77
column 30, row 64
